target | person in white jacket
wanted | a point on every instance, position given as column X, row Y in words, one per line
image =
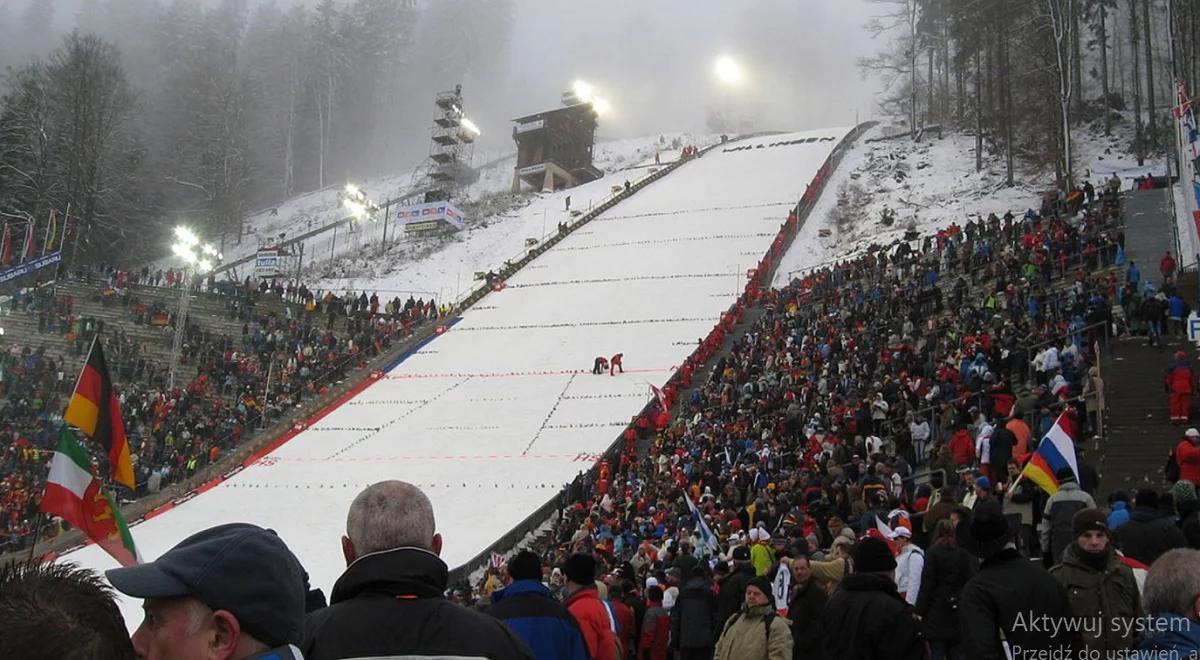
column 909, row 565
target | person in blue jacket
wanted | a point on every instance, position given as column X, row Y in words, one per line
column 528, row 609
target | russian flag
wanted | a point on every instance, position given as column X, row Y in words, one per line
column 1054, row 452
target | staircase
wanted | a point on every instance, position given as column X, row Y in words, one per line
column 1138, row 425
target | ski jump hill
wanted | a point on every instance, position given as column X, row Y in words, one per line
column 492, row 417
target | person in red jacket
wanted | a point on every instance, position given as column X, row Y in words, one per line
column 1187, row 455
column 624, row 615
column 583, row 602
column 656, row 628
column 1179, row 388
column 615, row 364
column 1167, row 267
column 962, row 447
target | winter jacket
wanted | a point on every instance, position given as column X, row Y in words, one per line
column 545, row 626
column 948, row 567
column 1169, row 636
column 1006, row 587
column 1148, row 535
column 762, row 555
column 1107, row 595
column 962, row 448
column 1119, row 515
column 866, row 618
column 909, row 564
column 747, row 636
column 733, row 592
column 806, row 611
column 655, row 643
column 390, row 603
column 1055, row 528
column 1188, row 457
column 694, row 622
column 596, row 622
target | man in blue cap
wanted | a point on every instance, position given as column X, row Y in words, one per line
column 227, row 593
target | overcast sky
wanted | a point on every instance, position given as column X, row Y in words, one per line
column 654, row 60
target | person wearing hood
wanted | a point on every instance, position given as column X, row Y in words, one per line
column 1187, row 455
column 756, row 632
column 1119, row 501
column 866, row 617
column 694, row 623
column 1172, row 598
column 1099, row 587
column 997, row 605
column 1148, row 534
column 390, row 600
column 527, row 607
column 1179, row 385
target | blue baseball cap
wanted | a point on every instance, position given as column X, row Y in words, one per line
column 238, row 567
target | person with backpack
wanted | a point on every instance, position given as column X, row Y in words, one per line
column 756, row 632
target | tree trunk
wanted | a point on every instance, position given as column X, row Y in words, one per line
column 912, row 66
column 978, row 111
column 1149, row 32
column 1077, row 69
column 1104, row 70
column 1136, row 80
column 929, row 95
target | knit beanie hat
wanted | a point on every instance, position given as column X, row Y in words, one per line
column 873, row 555
column 763, row 585
column 1089, row 520
column 1183, row 491
column 580, row 569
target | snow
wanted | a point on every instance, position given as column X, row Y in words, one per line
column 932, row 184
column 493, row 417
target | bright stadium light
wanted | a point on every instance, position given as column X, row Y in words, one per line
column 470, row 126
column 353, row 190
column 185, row 236
column 601, row 106
column 583, row 91
column 201, row 258
column 727, row 70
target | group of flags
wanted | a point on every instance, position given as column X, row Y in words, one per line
column 73, row 492
column 8, row 249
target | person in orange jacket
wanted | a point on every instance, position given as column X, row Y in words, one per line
column 1187, row 455
column 1179, row 384
column 615, row 364
column 962, row 447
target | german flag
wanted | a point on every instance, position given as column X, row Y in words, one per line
column 95, row 410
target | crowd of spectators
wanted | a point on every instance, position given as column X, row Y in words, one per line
column 897, row 389
column 227, row 387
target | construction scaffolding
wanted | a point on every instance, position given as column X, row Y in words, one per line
column 447, row 172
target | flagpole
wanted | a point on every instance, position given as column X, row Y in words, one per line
column 46, row 238
column 37, row 535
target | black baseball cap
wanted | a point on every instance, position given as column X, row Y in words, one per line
column 238, row 567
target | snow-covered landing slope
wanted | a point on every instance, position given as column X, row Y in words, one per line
column 494, row 416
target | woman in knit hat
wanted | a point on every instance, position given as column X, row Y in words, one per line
column 756, row 632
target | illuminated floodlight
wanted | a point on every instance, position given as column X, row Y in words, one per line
column 583, row 91
column 353, row 190
column 601, row 106
column 470, row 126
column 185, row 236
column 727, row 70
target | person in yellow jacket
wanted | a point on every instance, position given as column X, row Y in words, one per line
column 756, row 632
column 762, row 555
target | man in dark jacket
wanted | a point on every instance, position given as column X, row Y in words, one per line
column 527, row 607
column 389, row 601
column 729, row 601
column 1100, row 587
column 1148, row 534
column 806, row 610
column 1003, row 608
column 866, row 617
column 694, row 625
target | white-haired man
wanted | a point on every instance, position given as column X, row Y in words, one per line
column 1172, row 599
column 390, row 601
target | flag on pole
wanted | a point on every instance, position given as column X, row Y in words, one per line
column 51, row 230
column 496, row 561
column 706, row 536
column 6, row 247
column 662, row 398
column 95, row 410
column 27, row 246
column 75, row 495
column 1055, row 452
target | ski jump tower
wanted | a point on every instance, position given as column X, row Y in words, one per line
column 447, row 170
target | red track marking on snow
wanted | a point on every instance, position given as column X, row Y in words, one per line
column 519, row 374
column 273, row 460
